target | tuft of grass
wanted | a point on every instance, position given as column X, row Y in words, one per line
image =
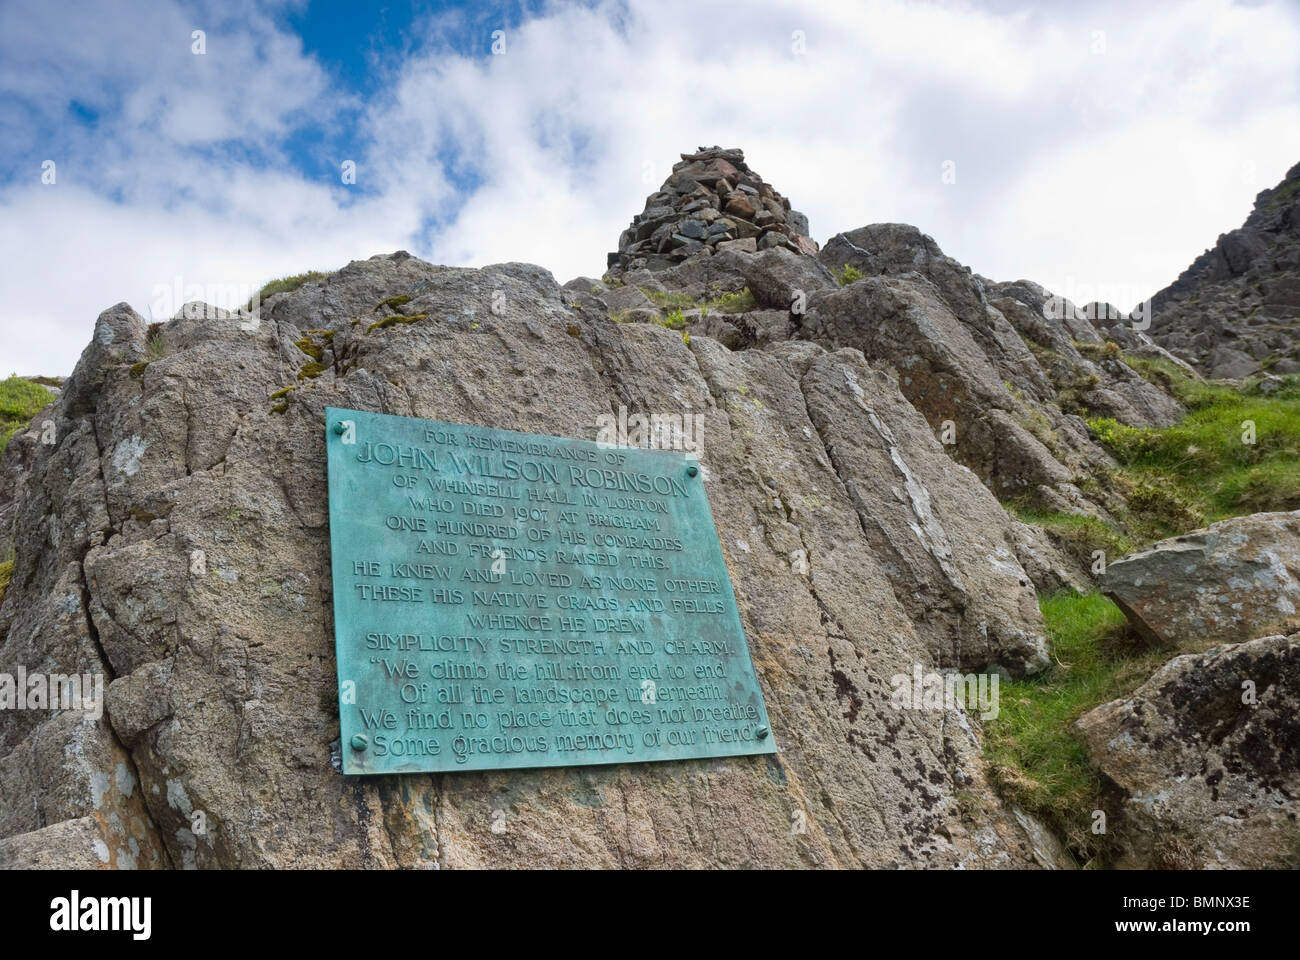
column 1036, row 760
column 154, row 347
column 20, row 400
column 286, row 285
column 741, row 302
column 847, row 275
column 674, row 321
column 669, row 300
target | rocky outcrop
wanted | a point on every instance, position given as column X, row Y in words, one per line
column 856, row 550
column 1207, row 755
column 1236, row 310
column 712, row 202
column 1232, row 581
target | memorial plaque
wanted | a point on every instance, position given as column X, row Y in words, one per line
column 510, row 600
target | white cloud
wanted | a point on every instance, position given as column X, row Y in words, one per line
column 1112, row 168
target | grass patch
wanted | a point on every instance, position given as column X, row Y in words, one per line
column 1080, row 535
column 285, row 285
column 670, row 301
column 1036, row 759
column 20, row 400
column 741, row 302
column 674, row 321
column 1236, row 451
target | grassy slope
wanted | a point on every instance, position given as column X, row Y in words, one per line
column 1199, row 470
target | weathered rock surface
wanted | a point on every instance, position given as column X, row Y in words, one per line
column 1233, row 581
column 1207, row 753
column 1236, row 310
column 856, row 549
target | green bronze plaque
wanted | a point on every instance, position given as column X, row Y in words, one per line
column 510, row 600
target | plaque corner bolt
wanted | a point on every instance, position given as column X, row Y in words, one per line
column 761, row 731
column 359, row 742
column 339, row 428
column 692, row 470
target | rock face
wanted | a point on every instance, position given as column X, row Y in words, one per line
column 856, row 549
column 1236, row 310
column 1234, row 580
column 712, row 201
column 866, row 407
column 1207, row 753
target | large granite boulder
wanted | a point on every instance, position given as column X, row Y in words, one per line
column 1207, row 755
column 1233, row 581
column 857, row 551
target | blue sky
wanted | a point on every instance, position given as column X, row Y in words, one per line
column 1098, row 147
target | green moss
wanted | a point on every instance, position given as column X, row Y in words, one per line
column 6, row 573
column 392, row 303
column 311, row 370
column 280, row 407
column 310, row 347
column 847, row 275
column 395, row 318
column 741, row 302
column 137, row 370
column 20, row 400
column 282, row 392
column 1035, row 757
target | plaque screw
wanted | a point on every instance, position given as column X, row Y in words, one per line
column 761, row 731
column 338, row 428
column 359, row 742
column 692, row 470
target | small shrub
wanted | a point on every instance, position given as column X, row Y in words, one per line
column 847, row 275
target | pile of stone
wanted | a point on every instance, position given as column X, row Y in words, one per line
column 713, row 201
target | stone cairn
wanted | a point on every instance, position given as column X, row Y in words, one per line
column 712, row 201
